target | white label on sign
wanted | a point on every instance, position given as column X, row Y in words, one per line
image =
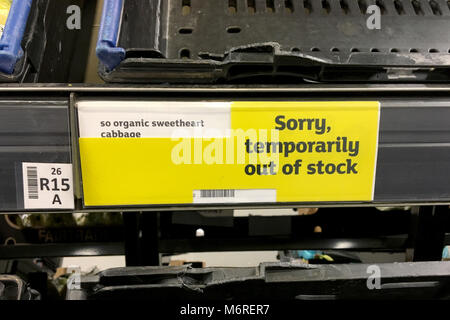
column 235, row 196
column 47, row 186
column 154, row 119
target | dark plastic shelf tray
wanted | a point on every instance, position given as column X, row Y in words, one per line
column 197, row 41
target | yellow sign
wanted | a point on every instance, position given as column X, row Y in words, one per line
column 5, row 6
column 155, row 152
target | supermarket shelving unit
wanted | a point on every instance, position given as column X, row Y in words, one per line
column 39, row 124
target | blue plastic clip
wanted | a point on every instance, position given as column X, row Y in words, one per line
column 10, row 43
column 308, row 254
column 107, row 51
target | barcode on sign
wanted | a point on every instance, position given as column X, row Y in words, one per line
column 32, row 178
column 234, row 196
column 217, row 193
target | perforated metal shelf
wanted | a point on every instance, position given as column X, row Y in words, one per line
column 293, row 40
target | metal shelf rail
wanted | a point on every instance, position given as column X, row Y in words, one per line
column 38, row 124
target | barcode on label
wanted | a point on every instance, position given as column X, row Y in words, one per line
column 234, row 196
column 47, row 185
column 217, row 193
column 32, row 177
